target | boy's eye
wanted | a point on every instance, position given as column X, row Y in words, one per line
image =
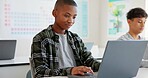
column 66, row 15
column 74, row 17
column 139, row 21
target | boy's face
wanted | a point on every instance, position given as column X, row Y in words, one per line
column 65, row 16
column 136, row 25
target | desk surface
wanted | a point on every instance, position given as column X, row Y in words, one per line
column 16, row 61
column 142, row 73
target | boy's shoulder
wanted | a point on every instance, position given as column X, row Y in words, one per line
column 47, row 32
column 73, row 34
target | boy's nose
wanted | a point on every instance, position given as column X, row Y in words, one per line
column 70, row 20
column 142, row 24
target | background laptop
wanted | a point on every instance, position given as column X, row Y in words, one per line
column 145, row 57
column 89, row 45
column 7, row 49
column 121, row 60
column 144, row 63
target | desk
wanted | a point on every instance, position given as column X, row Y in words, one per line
column 142, row 73
column 16, row 61
column 15, row 68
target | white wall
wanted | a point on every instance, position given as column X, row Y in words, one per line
column 97, row 25
column 94, row 23
column 93, row 36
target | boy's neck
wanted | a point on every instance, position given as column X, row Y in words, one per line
column 57, row 29
column 135, row 36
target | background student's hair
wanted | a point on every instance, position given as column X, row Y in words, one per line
column 136, row 13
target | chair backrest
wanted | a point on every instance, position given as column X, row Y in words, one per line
column 28, row 75
column 31, row 66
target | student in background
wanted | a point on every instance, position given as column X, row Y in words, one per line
column 56, row 51
column 136, row 19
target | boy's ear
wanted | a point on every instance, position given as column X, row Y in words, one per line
column 54, row 13
column 128, row 21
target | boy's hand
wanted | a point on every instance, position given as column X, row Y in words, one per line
column 80, row 70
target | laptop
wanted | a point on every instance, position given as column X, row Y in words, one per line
column 121, row 60
column 144, row 63
column 89, row 45
column 7, row 49
column 145, row 57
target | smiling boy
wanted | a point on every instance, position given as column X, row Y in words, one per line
column 56, row 51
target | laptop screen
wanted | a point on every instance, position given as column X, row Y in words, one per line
column 122, row 59
column 7, row 49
